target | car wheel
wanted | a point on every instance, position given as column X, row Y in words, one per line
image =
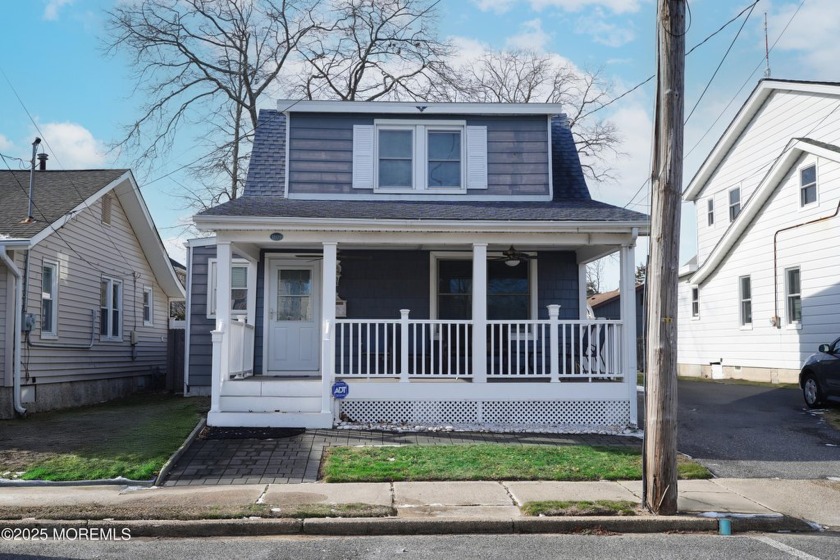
column 811, row 391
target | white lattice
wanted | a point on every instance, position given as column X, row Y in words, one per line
column 536, row 413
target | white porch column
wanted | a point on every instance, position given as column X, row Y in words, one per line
column 328, row 290
column 479, row 313
column 582, row 291
column 221, row 336
column 628, row 325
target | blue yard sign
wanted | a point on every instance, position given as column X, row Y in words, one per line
column 340, row 390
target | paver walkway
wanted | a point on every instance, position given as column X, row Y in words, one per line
column 296, row 459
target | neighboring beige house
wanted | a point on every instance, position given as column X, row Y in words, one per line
column 85, row 286
column 762, row 293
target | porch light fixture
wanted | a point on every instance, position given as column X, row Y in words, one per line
column 276, row 236
column 512, row 261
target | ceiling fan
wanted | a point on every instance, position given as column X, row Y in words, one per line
column 512, row 257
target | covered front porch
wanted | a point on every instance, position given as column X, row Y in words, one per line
column 424, row 327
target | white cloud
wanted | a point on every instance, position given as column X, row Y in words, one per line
column 496, row 6
column 52, row 8
column 176, row 247
column 72, row 146
column 616, row 6
column 812, row 34
column 6, row 145
column 532, row 37
column 604, row 32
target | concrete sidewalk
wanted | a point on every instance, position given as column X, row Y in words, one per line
column 435, row 507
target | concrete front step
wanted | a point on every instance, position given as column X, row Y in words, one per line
column 260, row 386
column 310, row 420
column 270, row 404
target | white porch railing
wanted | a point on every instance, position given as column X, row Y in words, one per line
column 408, row 349
column 241, row 357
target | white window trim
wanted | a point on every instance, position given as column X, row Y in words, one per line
column 150, row 322
column 695, row 317
column 248, row 312
column 50, row 334
column 112, row 282
column 436, row 256
column 790, row 323
column 799, row 171
column 741, row 319
column 710, row 212
column 730, row 205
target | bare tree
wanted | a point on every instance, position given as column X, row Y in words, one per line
column 523, row 76
column 205, row 62
column 374, row 49
column 595, row 277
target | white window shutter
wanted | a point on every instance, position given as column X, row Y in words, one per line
column 476, row 157
column 363, row 156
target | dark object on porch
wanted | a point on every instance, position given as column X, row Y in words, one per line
column 211, row 432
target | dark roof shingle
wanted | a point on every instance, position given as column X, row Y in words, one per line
column 55, row 193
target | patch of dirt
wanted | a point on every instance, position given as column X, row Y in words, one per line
column 210, row 432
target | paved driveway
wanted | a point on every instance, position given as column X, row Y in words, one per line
column 745, row 431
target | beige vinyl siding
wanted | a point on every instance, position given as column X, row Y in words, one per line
column 812, row 248
column 96, row 250
column 785, row 115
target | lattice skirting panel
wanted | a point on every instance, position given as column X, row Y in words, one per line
column 535, row 413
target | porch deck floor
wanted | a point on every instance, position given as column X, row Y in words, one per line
column 296, row 459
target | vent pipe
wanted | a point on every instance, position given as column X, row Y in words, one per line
column 42, row 161
column 32, row 177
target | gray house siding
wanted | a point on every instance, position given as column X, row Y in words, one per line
column 321, row 153
column 200, row 346
column 557, row 283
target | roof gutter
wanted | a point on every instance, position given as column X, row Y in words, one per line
column 16, row 346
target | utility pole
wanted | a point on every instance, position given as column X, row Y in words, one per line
column 660, row 461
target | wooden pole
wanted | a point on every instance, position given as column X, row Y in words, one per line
column 660, row 477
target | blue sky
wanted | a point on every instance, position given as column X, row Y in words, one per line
column 79, row 96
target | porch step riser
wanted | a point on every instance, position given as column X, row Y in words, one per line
column 270, row 420
column 270, row 404
column 272, row 388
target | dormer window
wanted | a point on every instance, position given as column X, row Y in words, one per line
column 395, row 156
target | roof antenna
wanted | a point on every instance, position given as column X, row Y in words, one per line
column 766, row 49
column 29, row 219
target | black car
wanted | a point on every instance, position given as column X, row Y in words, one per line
column 820, row 375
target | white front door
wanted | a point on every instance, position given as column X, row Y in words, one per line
column 293, row 332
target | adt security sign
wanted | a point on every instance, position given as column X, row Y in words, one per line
column 340, row 389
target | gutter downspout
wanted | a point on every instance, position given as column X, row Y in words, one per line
column 16, row 346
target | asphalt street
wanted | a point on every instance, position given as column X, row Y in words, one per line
column 748, row 431
column 485, row 547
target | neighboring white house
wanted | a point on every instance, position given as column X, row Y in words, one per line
column 764, row 288
column 85, row 287
column 431, row 256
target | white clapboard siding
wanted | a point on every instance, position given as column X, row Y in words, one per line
column 786, row 115
column 813, row 248
column 97, row 250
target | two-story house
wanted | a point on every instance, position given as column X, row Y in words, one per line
column 763, row 291
column 410, row 263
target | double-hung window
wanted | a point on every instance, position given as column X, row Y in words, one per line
column 148, row 306
column 110, row 312
column 710, row 212
column 508, row 290
column 405, row 157
column 734, row 203
column 238, row 288
column 745, row 291
column 808, row 185
column 49, row 300
column 793, row 295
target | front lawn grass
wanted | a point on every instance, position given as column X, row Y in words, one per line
column 135, row 438
column 488, row 462
column 832, row 416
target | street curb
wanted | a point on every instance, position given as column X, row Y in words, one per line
column 164, row 470
column 403, row 526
